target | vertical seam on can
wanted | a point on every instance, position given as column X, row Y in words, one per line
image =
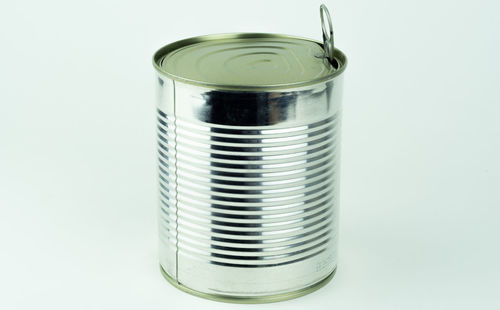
column 176, row 184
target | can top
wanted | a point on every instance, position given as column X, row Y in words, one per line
column 248, row 60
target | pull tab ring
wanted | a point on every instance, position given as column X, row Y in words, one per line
column 327, row 35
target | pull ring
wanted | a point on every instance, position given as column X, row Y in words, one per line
column 327, row 34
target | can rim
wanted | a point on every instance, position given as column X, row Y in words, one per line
column 251, row 299
column 162, row 52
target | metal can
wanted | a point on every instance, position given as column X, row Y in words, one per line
column 248, row 143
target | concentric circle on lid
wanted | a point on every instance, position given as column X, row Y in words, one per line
column 246, row 60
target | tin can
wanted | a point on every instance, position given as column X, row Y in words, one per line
column 248, row 145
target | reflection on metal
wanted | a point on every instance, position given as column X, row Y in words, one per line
column 249, row 171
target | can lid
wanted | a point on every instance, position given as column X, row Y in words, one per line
column 252, row 60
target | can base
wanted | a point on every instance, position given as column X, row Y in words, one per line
column 251, row 299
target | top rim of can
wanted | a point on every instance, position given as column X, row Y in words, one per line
column 158, row 57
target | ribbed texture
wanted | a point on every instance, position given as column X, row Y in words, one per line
column 247, row 196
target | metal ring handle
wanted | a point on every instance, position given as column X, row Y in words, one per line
column 328, row 43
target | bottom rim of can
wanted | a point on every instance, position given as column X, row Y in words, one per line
column 251, row 299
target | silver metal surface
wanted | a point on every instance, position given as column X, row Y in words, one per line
column 249, row 186
column 328, row 42
column 247, row 61
column 249, row 183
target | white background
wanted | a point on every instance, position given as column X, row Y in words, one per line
column 420, row 204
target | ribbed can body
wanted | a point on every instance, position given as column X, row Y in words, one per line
column 249, row 184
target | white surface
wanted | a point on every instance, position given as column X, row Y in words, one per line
column 420, row 163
